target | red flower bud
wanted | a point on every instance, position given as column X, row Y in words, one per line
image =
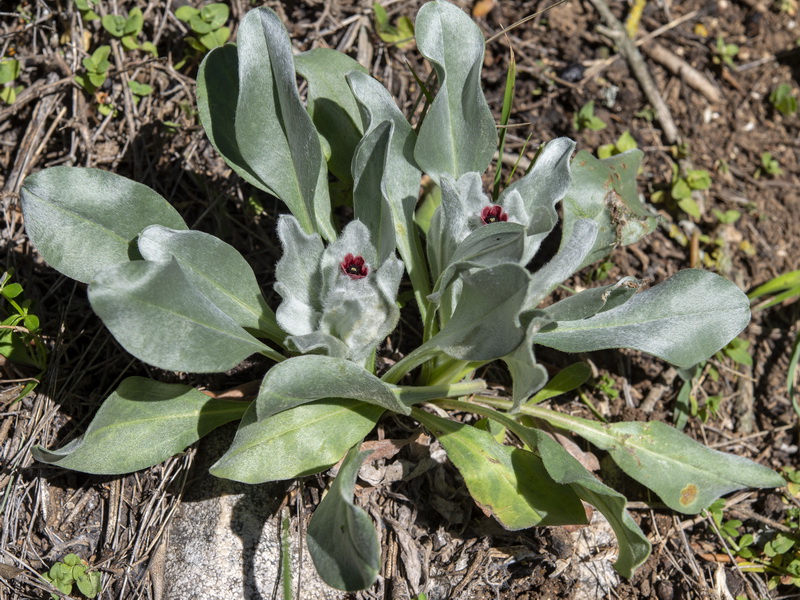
column 354, row 267
column 493, row 214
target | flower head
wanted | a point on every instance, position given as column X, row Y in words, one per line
column 493, row 213
column 334, row 302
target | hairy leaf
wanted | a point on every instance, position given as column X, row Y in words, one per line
column 684, row 320
column 300, row 441
column 342, row 539
column 141, row 424
column 161, row 318
column 83, row 220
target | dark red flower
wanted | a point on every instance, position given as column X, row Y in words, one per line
column 493, row 214
column 354, row 267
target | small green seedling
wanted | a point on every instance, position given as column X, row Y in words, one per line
column 624, row 143
column 783, row 100
column 769, row 166
column 729, row 217
column 681, row 188
column 127, row 29
column 19, row 331
column 207, row 24
column 586, row 119
column 401, row 34
column 86, row 8
column 9, row 71
column 96, row 66
column 72, row 570
column 139, row 90
column 725, row 53
column 738, row 351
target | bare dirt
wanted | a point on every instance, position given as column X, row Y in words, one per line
column 564, row 61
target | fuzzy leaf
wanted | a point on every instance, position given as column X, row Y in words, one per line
column 605, row 191
column 458, row 135
column 684, row 320
column 509, row 484
column 304, row 379
column 141, row 424
column 162, row 319
column 589, row 302
column 342, row 540
column 331, row 104
column 300, row 441
column 83, row 220
column 217, row 270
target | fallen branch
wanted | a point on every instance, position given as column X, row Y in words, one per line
column 676, row 65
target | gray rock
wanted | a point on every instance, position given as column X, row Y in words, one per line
column 224, row 542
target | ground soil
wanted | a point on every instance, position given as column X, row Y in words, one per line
column 564, row 61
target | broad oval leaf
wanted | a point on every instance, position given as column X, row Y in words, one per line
column 684, row 320
column 157, row 315
column 342, row 540
column 508, row 483
column 589, row 302
column 331, row 104
column 685, row 474
column 458, row 134
column 83, row 220
column 217, row 270
column 300, row 441
column 605, row 191
column 485, row 324
column 303, row 379
column 142, row 423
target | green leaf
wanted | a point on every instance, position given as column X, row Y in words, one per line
column 157, row 315
column 342, row 540
column 83, row 220
column 485, row 324
column 142, row 423
column 634, row 547
column 186, row 12
column 690, row 207
column 458, row 134
column 684, row 320
column 509, row 484
column 114, row 24
column 275, row 137
column 9, row 70
column 216, row 38
column 370, row 202
column 134, row 22
column 12, row 290
column 589, row 302
column 685, row 474
column 332, row 106
column 217, row 270
column 605, row 191
column 567, row 379
column 215, row 14
column 296, row 442
column 304, row 379
column 89, row 585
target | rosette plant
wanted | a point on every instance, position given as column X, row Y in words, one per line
column 185, row 301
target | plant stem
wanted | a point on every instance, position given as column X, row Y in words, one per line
column 409, row 362
column 412, row 394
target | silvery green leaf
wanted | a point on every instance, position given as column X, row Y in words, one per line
column 458, row 215
column 567, row 261
column 684, row 320
column 159, row 317
column 299, row 281
column 275, row 135
column 401, row 177
column 527, row 375
column 295, row 442
column 342, row 540
column 458, row 134
column 605, row 191
column 488, row 246
column 589, row 302
column 370, row 201
column 532, row 199
column 304, row 379
column 317, row 342
column 486, row 322
column 83, row 220
column 362, row 312
column 217, row 270
column 331, row 104
column 142, row 423
column 355, row 239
